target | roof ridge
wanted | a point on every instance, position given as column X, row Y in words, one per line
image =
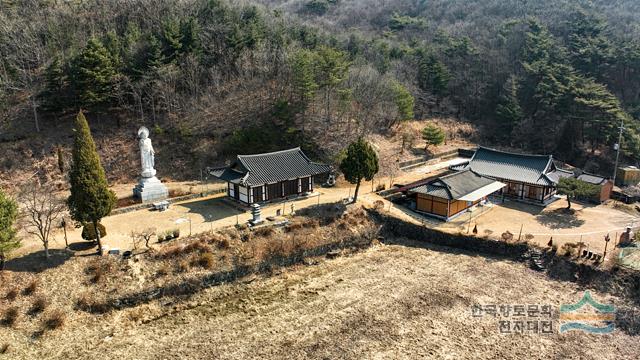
column 514, row 153
column 581, row 173
column 458, row 173
column 271, row 153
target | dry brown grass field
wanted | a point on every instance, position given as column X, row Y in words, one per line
column 400, row 301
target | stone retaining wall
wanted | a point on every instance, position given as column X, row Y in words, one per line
column 137, row 207
column 435, row 158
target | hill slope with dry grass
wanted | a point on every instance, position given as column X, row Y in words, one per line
column 398, row 299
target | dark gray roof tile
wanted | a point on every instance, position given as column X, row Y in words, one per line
column 531, row 169
column 454, row 186
column 558, row 174
column 270, row 168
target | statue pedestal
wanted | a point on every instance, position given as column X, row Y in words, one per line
column 150, row 189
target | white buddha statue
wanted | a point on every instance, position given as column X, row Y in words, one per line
column 147, row 154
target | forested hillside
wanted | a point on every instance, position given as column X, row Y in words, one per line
column 215, row 77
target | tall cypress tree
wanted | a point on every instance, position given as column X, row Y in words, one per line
column 361, row 162
column 90, row 199
column 8, row 216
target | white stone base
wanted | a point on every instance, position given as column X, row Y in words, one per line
column 150, row 189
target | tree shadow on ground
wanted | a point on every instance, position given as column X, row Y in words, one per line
column 82, row 246
column 419, row 151
column 519, row 206
column 560, row 219
column 36, row 262
column 211, row 209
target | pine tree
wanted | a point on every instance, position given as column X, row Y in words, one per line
column 590, row 50
column 90, row 199
column 148, row 59
column 433, row 136
column 508, row 112
column 304, row 82
column 94, row 74
column 190, row 36
column 53, row 93
column 545, row 89
column 253, row 26
column 433, row 75
column 332, row 68
column 574, row 188
column 154, row 59
column 114, row 46
column 404, row 101
column 171, row 39
column 235, row 42
column 8, row 216
column 360, row 162
column 599, row 110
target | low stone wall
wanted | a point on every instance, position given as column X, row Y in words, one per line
column 397, row 227
column 432, row 159
column 137, row 207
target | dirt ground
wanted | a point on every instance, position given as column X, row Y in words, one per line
column 194, row 216
column 584, row 222
column 388, row 302
column 198, row 215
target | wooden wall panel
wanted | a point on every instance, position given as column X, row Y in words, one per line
column 439, row 208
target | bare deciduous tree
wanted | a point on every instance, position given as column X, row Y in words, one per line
column 40, row 210
column 143, row 235
column 22, row 51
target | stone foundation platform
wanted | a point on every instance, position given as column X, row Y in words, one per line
column 150, row 189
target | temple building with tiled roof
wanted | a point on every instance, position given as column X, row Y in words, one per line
column 527, row 177
column 532, row 178
column 270, row 176
column 449, row 196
